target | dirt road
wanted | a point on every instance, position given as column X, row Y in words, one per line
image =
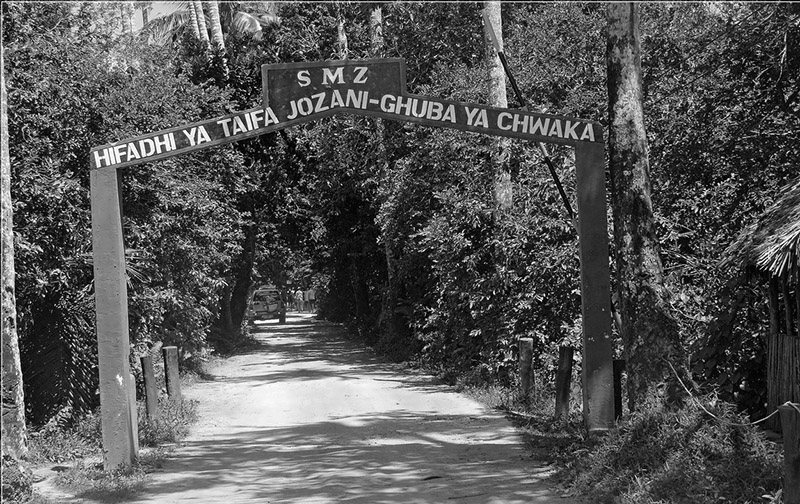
column 313, row 418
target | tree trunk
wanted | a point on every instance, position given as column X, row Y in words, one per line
column 243, row 279
column 215, row 25
column 503, row 189
column 13, row 424
column 376, row 30
column 649, row 330
column 194, row 21
column 341, row 39
column 201, row 20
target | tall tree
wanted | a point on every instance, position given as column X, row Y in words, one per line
column 201, row 20
column 215, row 25
column 14, row 434
column 503, row 192
column 194, row 22
column 649, row 330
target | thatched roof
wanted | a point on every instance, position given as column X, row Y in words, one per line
column 772, row 243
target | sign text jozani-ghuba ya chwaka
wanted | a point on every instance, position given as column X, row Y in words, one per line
column 295, row 93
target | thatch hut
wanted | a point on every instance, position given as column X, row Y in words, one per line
column 771, row 245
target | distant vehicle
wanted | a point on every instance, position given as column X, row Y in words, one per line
column 265, row 303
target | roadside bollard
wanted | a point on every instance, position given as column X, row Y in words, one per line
column 150, row 390
column 790, row 424
column 526, row 366
column 171, row 373
column 563, row 378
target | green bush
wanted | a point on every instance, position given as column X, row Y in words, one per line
column 685, row 455
column 59, row 443
column 93, row 482
column 171, row 425
column 17, row 483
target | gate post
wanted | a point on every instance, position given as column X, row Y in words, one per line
column 598, row 389
column 111, row 302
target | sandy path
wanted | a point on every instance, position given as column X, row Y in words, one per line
column 313, row 418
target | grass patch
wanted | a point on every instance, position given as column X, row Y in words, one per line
column 79, row 443
column 660, row 455
column 17, row 484
column 655, row 456
column 78, row 438
column 92, row 482
column 172, row 423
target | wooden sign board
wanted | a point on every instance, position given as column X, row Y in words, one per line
column 295, row 93
column 301, row 92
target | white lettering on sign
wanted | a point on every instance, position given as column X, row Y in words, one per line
column 330, row 76
column 417, row 107
column 361, row 75
column 303, row 78
column 197, row 135
column 568, row 130
column 321, row 102
column 334, row 75
column 481, row 121
column 132, row 151
column 249, row 121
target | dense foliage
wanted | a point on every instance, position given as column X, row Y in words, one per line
column 393, row 223
column 686, row 455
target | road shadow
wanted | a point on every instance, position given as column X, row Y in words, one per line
column 400, row 457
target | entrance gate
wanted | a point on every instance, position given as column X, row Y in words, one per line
column 295, row 93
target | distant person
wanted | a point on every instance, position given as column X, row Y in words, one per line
column 298, row 300
column 311, row 294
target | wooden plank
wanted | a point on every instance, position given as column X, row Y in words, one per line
column 172, row 373
column 790, row 424
column 150, row 389
column 598, row 388
column 134, row 416
column 563, row 378
column 526, row 366
column 111, row 301
column 184, row 139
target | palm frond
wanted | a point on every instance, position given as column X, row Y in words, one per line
column 164, row 29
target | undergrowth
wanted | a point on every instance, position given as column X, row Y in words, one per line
column 172, row 423
column 79, row 442
column 654, row 456
column 91, row 481
column 17, row 483
column 659, row 455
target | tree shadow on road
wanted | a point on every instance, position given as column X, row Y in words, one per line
column 374, row 458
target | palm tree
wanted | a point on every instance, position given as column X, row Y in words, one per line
column 201, row 20
column 195, row 24
column 216, row 25
column 242, row 17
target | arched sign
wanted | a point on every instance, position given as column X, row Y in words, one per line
column 295, row 93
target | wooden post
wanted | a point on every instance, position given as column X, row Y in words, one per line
column 619, row 367
column 150, row 390
column 171, row 373
column 282, row 308
column 526, row 366
column 134, row 413
column 598, row 386
column 563, row 378
column 111, row 302
column 790, row 422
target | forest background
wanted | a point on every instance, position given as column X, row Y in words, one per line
column 394, row 224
